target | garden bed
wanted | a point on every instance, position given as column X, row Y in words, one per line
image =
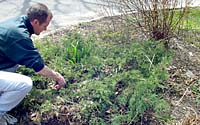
column 182, row 91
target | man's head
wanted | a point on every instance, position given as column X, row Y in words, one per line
column 40, row 17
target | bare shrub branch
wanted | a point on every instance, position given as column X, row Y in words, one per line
column 158, row 19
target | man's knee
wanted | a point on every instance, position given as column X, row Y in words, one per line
column 27, row 84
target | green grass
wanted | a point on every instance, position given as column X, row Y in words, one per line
column 193, row 19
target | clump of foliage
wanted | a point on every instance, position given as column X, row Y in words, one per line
column 76, row 48
column 107, row 83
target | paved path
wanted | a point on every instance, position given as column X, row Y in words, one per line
column 66, row 12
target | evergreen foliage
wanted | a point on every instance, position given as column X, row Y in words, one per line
column 107, row 83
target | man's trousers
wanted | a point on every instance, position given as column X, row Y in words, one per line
column 13, row 88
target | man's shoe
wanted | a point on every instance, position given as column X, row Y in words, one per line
column 9, row 119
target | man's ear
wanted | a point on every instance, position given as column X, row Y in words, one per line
column 35, row 22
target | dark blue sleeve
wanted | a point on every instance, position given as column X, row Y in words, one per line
column 23, row 52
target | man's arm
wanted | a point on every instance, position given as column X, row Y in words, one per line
column 49, row 73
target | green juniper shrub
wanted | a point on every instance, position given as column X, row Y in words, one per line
column 108, row 84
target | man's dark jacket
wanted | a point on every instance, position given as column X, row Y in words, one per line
column 16, row 46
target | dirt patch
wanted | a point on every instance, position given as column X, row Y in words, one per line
column 184, row 83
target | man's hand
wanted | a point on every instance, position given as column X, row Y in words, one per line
column 60, row 81
column 57, row 77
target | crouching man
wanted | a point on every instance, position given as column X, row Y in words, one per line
column 17, row 48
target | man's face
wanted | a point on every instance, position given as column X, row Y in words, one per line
column 38, row 28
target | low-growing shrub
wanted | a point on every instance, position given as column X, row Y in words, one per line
column 114, row 84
